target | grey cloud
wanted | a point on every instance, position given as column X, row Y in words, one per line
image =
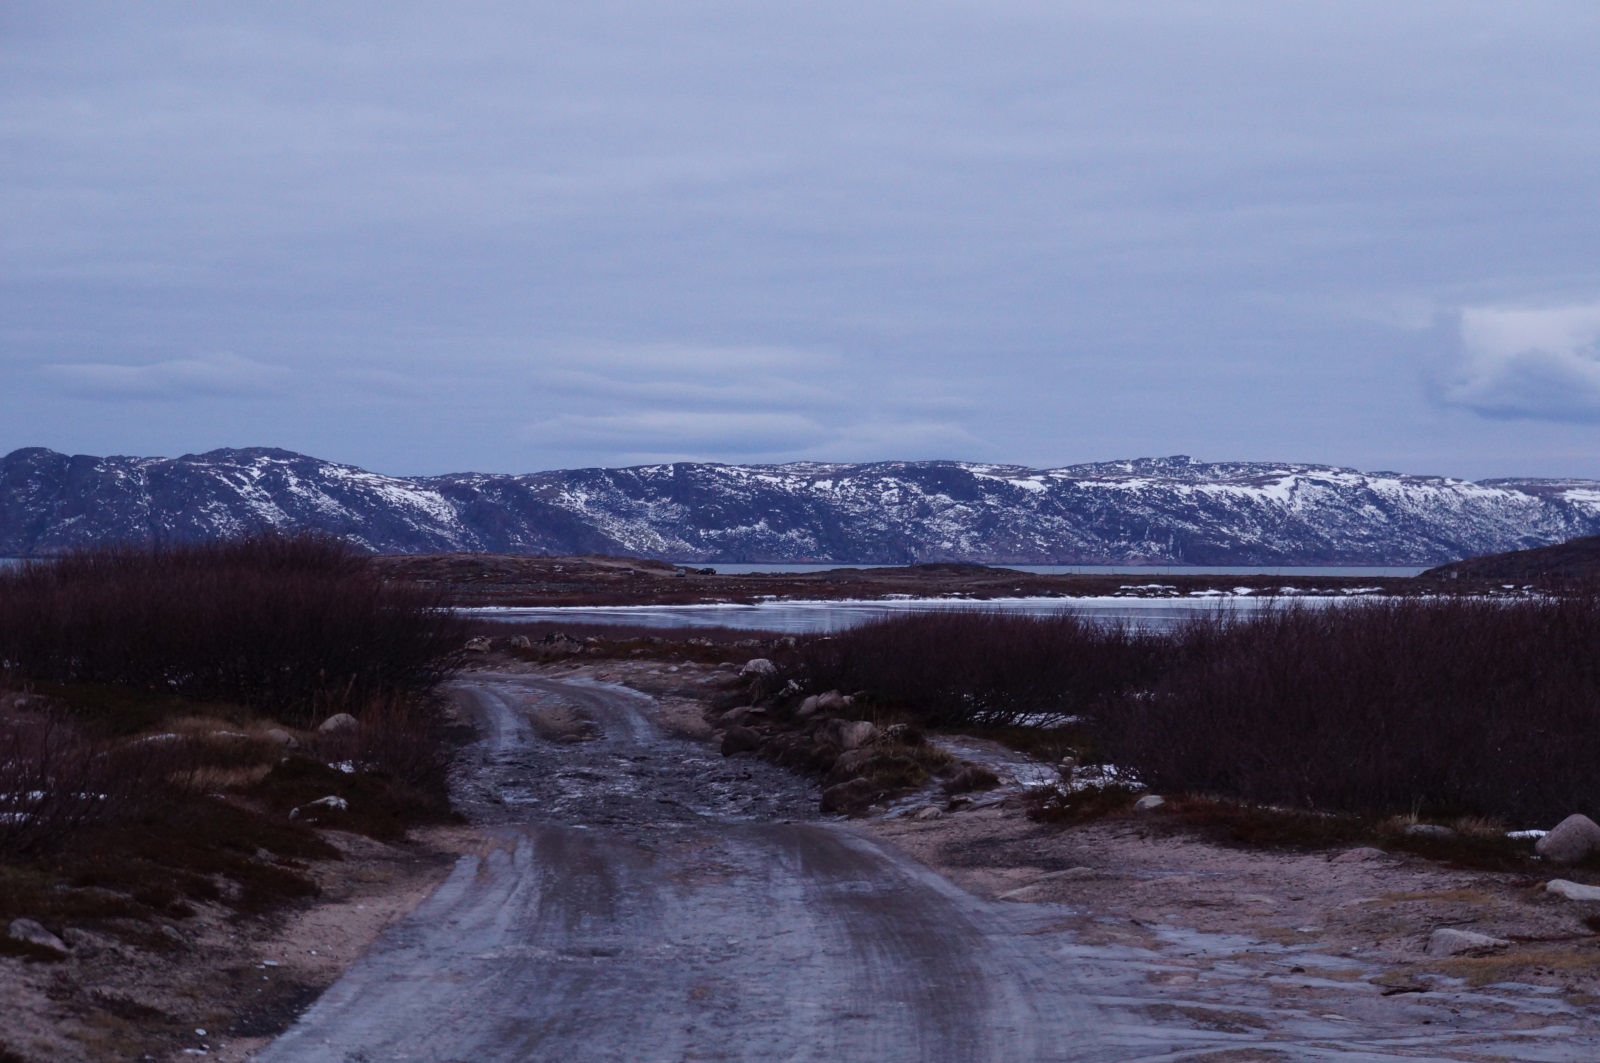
column 1011, row 230
column 663, row 434
column 222, row 376
column 1534, row 364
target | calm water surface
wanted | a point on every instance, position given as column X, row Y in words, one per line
column 1102, row 570
column 803, row 618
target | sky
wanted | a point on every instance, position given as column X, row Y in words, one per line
column 506, row 237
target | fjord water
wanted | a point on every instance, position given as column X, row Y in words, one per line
column 807, row 618
column 747, row 568
column 812, row 617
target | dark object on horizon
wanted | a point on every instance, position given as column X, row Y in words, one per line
column 1149, row 511
column 1576, row 560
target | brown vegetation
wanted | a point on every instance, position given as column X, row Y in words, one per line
column 1447, row 707
column 985, row 669
column 152, row 756
column 1440, row 707
column 299, row 627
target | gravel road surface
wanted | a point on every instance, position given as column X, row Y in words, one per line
column 640, row 898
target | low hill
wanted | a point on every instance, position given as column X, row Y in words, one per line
column 1574, row 560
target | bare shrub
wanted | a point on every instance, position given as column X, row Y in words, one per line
column 970, row 667
column 1447, row 706
column 296, row 626
column 54, row 781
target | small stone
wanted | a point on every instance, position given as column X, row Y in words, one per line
column 173, row 934
column 1447, row 941
column 928, row 812
column 1570, row 841
column 1428, row 830
column 338, row 723
column 479, row 645
column 740, row 740
column 1357, row 855
column 1572, row 891
column 283, row 738
column 854, row 734
column 1149, row 803
column 33, row 933
column 832, row 702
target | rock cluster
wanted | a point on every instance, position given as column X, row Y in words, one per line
column 859, row 762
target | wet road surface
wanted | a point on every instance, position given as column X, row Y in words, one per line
column 643, row 899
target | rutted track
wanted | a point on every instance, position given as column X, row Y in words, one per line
column 642, row 899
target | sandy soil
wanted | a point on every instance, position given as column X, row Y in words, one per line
column 1126, row 883
column 240, row 981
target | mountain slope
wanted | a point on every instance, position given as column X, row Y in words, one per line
column 1149, row 510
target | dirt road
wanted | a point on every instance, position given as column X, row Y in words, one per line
column 643, row 899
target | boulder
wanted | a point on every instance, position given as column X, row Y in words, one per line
column 32, row 933
column 1570, row 841
column 740, row 739
column 807, row 709
column 338, row 723
column 1448, row 941
column 928, row 812
column 1572, row 891
column 279, row 736
column 758, row 668
column 972, row 777
column 520, row 642
column 847, row 797
column 832, row 702
column 849, row 764
column 853, row 734
column 1149, row 803
column 479, row 645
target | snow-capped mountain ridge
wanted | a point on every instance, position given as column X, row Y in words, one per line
column 1146, row 510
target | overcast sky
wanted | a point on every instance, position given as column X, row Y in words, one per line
column 515, row 236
